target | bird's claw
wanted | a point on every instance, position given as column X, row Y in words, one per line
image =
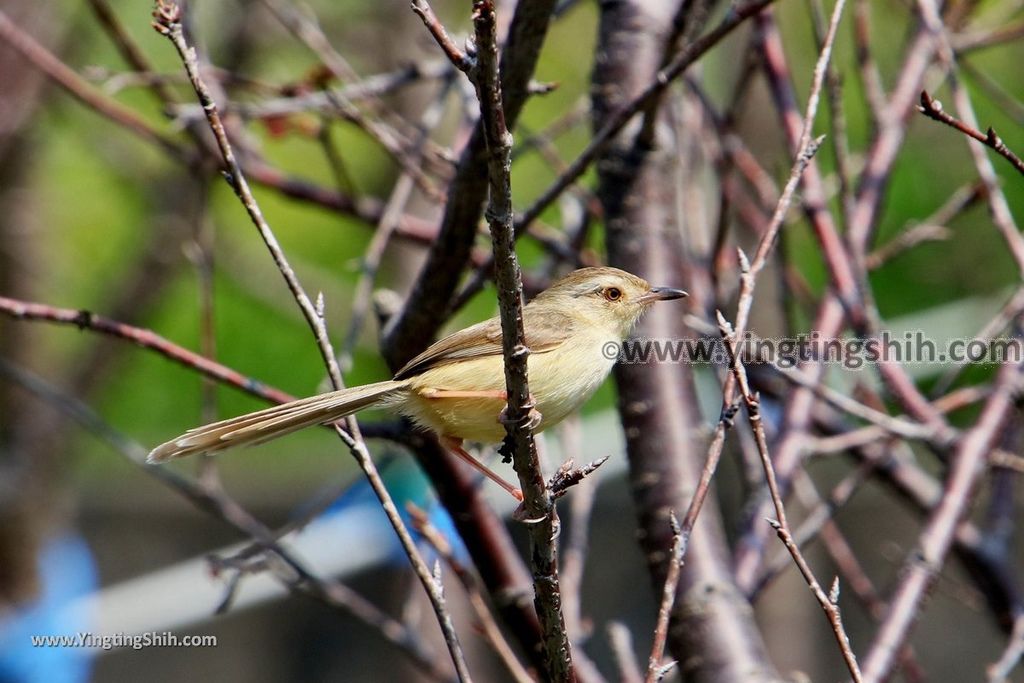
column 520, row 515
column 533, row 418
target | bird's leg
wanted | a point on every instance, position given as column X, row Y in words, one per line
column 454, row 445
column 451, row 393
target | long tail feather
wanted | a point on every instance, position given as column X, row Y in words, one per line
column 270, row 423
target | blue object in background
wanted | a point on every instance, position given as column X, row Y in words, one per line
column 66, row 571
column 406, row 483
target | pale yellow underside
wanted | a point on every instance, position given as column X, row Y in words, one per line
column 561, row 380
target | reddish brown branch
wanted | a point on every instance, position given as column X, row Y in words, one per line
column 932, row 108
column 656, row 669
column 457, row 57
column 85, row 320
column 58, row 71
column 922, row 566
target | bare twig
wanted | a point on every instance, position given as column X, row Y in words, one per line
column 323, row 101
column 400, row 196
column 575, row 543
column 410, row 160
column 932, row 108
column 874, row 91
column 655, row 666
column 568, row 476
column 999, row 671
column 768, row 239
column 221, row 506
column 167, row 22
column 967, row 467
column 907, row 240
column 367, row 209
column 85, row 320
column 828, row 602
column 130, row 51
column 457, row 57
column 615, row 122
column 831, row 314
column 622, row 648
column 12, row 35
column 429, row 301
column 471, row 584
column 805, row 152
column 998, row 205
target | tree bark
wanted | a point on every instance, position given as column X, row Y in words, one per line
column 712, row 633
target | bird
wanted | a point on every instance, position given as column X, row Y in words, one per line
column 456, row 387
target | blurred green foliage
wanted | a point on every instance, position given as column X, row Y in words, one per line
column 100, row 195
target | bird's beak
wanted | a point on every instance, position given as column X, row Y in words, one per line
column 662, row 294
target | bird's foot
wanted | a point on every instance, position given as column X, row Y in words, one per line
column 533, row 416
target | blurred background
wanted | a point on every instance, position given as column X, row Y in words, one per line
column 96, row 218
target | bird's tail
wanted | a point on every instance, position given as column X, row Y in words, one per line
column 270, row 423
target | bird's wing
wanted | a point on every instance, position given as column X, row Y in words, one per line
column 546, row 329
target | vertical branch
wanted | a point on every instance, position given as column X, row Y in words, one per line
column 539, row 507
column 655, row 669
column 482, row 68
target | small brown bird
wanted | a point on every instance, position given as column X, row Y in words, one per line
column 456, row 388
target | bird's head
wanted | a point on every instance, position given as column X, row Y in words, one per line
column 608, row 297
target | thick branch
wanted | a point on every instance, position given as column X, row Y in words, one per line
column 429, row 300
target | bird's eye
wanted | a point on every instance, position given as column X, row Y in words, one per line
column 612, row 293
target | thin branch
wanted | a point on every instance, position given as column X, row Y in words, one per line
column 323, row 101
column 833, row 310
column 457, row 57
column 977, row 40
column 655, row 667
column 12, row 35
column 805, row 153
column 400, row 196
column 85, row 320
column 471, row 584
column 999, row 671
column 998, row 205
column 618, row 119
column 167, row 16
column 391, row 140
column 167, row 22
column 429, row 301
column 870, row 77
column 828, row 602
column 366, row 209
column 932, row 108
column 291, row 572
column 922, row 566
column 129, row 49
column 622, row 649
column 575, row 542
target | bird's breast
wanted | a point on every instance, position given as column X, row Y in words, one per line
column 561, row 380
